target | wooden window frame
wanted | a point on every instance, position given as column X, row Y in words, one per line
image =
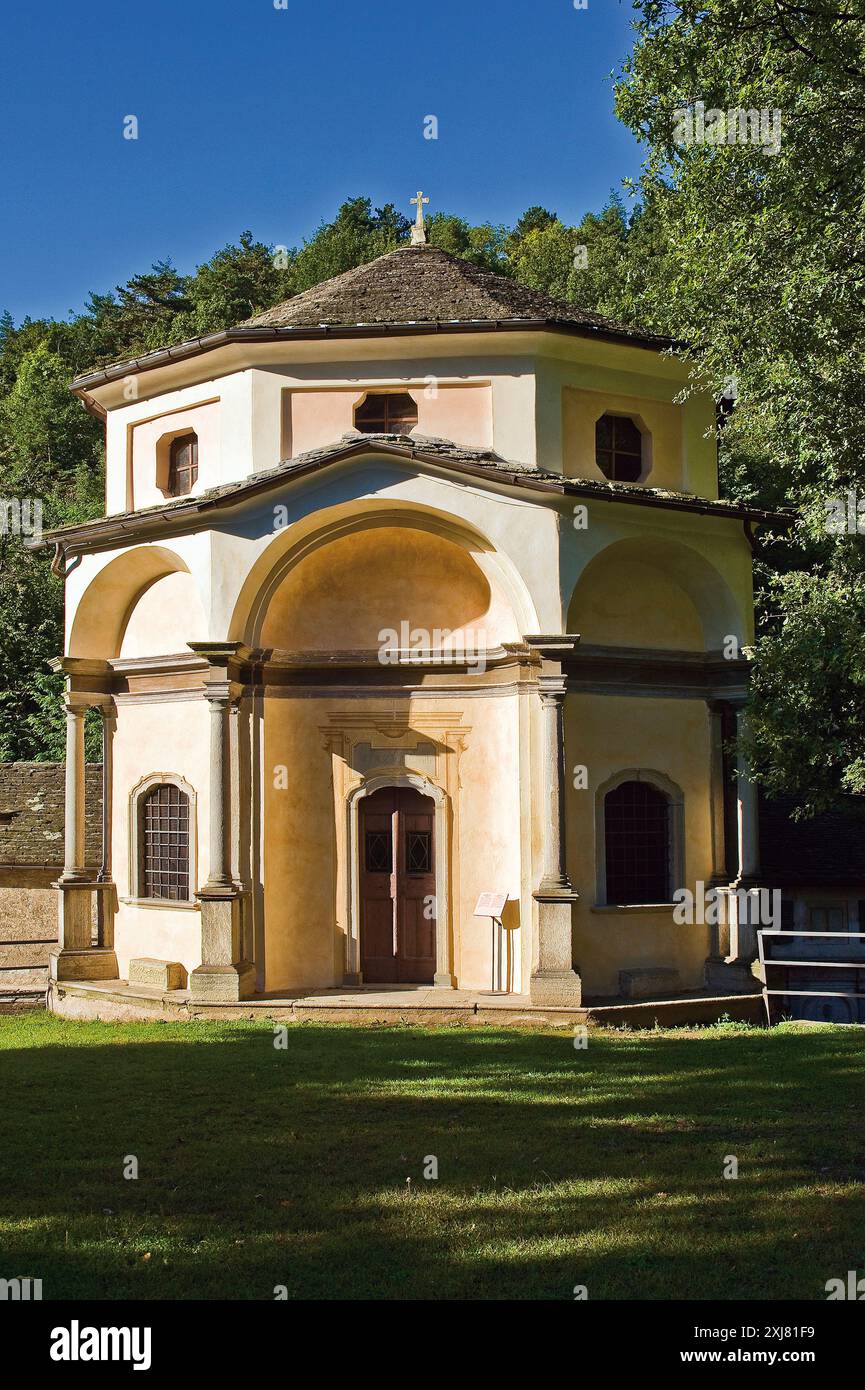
column 181, row 441
column 614, row 452
column 386, row 397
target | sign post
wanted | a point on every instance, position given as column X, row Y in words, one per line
column 492, row 905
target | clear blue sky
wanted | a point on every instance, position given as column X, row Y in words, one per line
column 255, row 117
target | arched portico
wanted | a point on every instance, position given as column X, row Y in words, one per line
column 691, row 591
column 105, row 607
column 304, row 538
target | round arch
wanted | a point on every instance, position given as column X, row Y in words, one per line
column 106, row 605
column 289, row 548
column 720, row 614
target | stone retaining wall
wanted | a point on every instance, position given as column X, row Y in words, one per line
column 31, row 859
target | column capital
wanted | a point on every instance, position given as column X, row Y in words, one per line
column 552, row 689
column 218, row 693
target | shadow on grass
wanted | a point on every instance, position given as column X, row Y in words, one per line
column 260, row 1167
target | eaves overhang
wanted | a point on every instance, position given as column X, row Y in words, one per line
column 83, row 385
column 184, row 515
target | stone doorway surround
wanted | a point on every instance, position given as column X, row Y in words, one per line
column 443, row 978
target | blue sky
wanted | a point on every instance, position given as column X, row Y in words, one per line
column 252, row 116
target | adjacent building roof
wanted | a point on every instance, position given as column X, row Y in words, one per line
column 415, row 289
column 442, row 453
column 32, row 802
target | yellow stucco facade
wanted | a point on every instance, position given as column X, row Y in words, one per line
column 551, row 634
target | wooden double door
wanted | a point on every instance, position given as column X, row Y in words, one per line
column 397, row 887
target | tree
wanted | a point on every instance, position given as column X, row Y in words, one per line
column 45, row 432
column 236, row 283
column 762, row 266
column 483, row 245
column 355, row 236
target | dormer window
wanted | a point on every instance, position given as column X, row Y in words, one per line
column 182, row 465
column 395, row 413
column 619, row 448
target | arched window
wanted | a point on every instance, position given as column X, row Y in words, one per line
column 395, row 413
column 638, row 830
column 164, row 843
column 182, row 465
column 619, row 448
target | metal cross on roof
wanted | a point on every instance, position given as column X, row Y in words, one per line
column 418, row 231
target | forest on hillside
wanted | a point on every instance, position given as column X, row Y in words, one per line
column 754, row 255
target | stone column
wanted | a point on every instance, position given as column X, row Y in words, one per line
column 76, row 957
column 217, row 694
column 554, row 982
column 105, row 892
column 718, row 791
column 746, row 808
column 73, row 866
column 223, row 975
column 742, row 896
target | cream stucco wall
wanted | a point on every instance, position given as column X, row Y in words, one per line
column 166, row 618
column 158, row 737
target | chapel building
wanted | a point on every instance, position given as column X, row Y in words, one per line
column 414, row 588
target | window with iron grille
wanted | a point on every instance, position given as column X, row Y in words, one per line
column 165, row 844
column 637, row 839
column 619, row 448
column 395, row 413
column 182, row 465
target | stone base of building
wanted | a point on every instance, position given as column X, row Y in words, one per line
column 222, row 984
column 730, row 977
column 556, row 989
column 85, row 963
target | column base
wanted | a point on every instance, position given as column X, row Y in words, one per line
column 555, row 983
column 83, row 963
column 222, row 984
column 742, row 905
column 556, row 989
column 444, row 980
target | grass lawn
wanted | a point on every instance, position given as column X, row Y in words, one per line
column 261, row 1167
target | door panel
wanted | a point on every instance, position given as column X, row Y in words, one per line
column 397, row 887
column 377, row 918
